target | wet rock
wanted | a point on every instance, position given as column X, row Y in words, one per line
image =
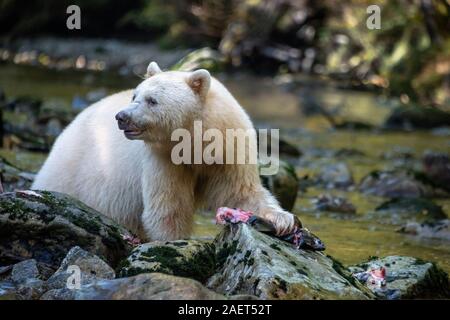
column 46, row 225
column 14, row 178
column 410, row 209
column 408, row 278
column 327, row 202
column 436, row 167
column 91, row 268
column 185, row 258
column 415, row 117
column 435, row 230
column 8, row 291
column 32, row 289
column 204, row 58
column 24, row 271
column 147, row 286
column 283, row 185
column 253, row 263
column 398, row 184
column 335, row 176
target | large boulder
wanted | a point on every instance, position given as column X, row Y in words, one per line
column 407, row 278
column 46, row 225
column 147, row 286
column 185, row 258
column 250, row 262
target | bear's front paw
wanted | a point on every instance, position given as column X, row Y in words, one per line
column 285, row 223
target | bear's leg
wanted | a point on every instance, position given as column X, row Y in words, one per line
column 240, row 187
column 168, row 202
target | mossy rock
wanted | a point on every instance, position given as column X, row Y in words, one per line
column 46, row 225
column 415, row 117
column 205, row 58
column 408, row 278
column 185, row 258
column 283, row 185
column 250, row 262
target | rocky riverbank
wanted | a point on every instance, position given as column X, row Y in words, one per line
column 48, row 239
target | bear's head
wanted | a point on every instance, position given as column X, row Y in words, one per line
column 164, row 102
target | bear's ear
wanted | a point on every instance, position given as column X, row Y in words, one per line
column 200, row 81
column 152, row 69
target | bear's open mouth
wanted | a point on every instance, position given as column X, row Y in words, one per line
column 132, row 132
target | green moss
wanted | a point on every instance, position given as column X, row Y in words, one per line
column 275, row 247
column 224, row 252
column 343, row 271
column 16, row 210
column 170, row 260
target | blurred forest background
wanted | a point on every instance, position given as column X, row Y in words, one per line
column 408, row 57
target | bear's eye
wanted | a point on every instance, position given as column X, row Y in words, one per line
column 151, row 101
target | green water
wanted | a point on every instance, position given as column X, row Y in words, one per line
column 348, row 238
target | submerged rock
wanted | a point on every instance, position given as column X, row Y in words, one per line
column 283, row 185
column 417, row 118
column 326, row 202
column 147, row 286
column 46, row 225
column 398, row 184
column 250, row 262
column 186, row 258
column 408, row 278
column 436, row 167
column 410, row 209
column 436, row 230
column 335, row 176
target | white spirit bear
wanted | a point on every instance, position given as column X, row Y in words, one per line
column 128, row 174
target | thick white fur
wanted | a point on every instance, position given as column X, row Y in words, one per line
column 135, row 182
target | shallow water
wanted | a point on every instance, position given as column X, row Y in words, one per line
column 348, row 238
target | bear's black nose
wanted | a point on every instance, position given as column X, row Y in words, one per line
column 122, row 116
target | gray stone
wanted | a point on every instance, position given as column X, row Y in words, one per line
column 398, row 184
column 147, row 286
column 335, row 176
column 401, row 210
column 436, row 230
column 408, row 278
column 90, row 266
column 24, row 271
column 253, row 263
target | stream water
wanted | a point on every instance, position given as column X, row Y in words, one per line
column 350, row 238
